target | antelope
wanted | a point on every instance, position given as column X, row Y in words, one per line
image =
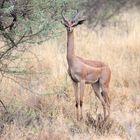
column 83, row 71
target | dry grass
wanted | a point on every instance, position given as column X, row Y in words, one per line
column 48, row 112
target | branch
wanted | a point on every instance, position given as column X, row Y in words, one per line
column 3, row 105
column 6, row 35
column 3, row 3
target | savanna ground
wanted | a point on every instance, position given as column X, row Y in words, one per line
column 39, row 96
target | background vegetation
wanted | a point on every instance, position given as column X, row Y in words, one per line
column 35, row 86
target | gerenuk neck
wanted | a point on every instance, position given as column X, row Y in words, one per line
column 70, row 47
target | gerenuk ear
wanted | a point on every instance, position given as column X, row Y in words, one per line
column 64, row 24
column 81, row 21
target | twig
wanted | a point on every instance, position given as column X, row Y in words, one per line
column 3, row 105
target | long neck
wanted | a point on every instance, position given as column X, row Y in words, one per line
column 70, row 46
